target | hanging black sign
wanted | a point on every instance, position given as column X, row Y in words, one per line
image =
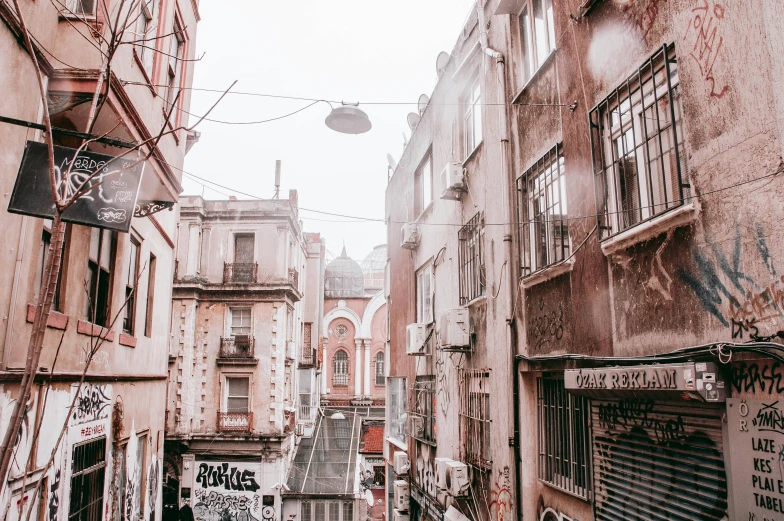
column 108, row 204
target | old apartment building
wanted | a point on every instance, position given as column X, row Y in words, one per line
column 246, row 310
column 585, row 292
column 101, row 459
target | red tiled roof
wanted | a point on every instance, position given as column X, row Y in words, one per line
column 373, row 439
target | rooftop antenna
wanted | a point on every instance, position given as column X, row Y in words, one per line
column 422, row 103
column 441, row 62
column 277, row 179
column 391, row 165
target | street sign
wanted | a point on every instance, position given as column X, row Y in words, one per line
column 108, row 204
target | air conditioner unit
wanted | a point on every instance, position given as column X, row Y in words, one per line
column 453, row 514
column 416, row 426
column 409, row 236
column 401, row 494
column 397, row 515
column 400, row 462
column 453, row 330
column 453, row 181
column 456, row 478
column 416, row 339
column 441, row 472
column 300, row 429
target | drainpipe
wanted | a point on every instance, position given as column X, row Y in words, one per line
column 508, row 253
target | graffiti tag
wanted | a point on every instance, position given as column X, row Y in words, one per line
column 228, row 478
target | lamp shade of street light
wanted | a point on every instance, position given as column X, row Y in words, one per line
column 337, row 416
column 348, row 119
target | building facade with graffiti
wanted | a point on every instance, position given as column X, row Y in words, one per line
column 633, row 165
column 246, row 311
column 91, row 441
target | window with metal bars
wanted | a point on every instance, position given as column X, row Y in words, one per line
column 380, row 368
column 475, row 418
column 564, row 439
column 422, row 419
column 471, row 260
column 340, row 369
column 543, row 226
column 88, row 467
column 639, row 154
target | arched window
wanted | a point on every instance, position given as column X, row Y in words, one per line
column 340, row 369
column 380, row 368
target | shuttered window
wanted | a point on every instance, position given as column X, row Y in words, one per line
column 658, row 461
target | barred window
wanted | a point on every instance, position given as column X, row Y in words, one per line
column 475, row 418
column 88, row 468
column 340, row 369
column 543, row 225
column 380, row 368
column 639, row 154
column 422, row 419
column 564, row 441
column 471, row 260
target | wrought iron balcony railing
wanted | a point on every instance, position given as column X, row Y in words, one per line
column 240, row 273
column 237, row 346
column 235, row 421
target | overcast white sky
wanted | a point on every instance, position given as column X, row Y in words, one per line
column 352, row 50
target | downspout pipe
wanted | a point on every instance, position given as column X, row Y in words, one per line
column 511, row 336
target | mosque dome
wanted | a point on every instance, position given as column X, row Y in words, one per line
column 374, row 267
column 343, row 278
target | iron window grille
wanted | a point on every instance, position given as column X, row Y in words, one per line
column 88, row 467
column 340, row 369
column 422, row 417
column 564, row 439
column 471, row 259
column 639, row 154
column 475, row 418
column 380, row 369
column 543, row 223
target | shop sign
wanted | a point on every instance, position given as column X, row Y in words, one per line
column 756, row 457
column 427, row 504
column 109, row 203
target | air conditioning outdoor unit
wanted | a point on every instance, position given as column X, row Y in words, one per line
column 453, row 181
column 456, row 478
column 416, row 339
column 401, row 494
column 397, row 515
column 453, row 330
column 400, row 462
column 416, row 426
column 409, row 236
column 441, row 472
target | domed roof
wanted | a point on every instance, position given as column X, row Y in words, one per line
column 343, row 278
column 376, row 260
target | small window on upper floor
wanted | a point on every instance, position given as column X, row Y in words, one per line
column 237, row 394
column 145, row 41
column 79, row 8
column 175, row 58
column 424, row 294
column 100, row 267
column 131, row 286
column 537, row 36
column 472, row 117
column 423, row 185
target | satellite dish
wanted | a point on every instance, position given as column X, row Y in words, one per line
column 369, row 497
column 391, row 162
column 413, row 120
column 441, row 62
column 422, row 104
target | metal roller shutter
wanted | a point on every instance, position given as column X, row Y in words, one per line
column 658, row 461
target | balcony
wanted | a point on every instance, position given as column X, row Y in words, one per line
column 235, row 421
column 307, row 358
column 238, row 350
column 294, row 277
column 240, row 273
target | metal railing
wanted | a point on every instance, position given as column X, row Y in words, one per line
column 240, row 273
column 471, row 261
column 239, row 346
column 307, row 357
column 235, row 421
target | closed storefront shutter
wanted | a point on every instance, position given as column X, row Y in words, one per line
column 658, row 461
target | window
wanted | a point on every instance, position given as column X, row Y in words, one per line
column 379, row 477
column 88, row 466
column 150, row 296
column 543, row 229
column 424, row 288
column 475, row 416
column 237, row 394
column 46, row 240
column 471, row 260
column 131, row 287
column 564, row 441
column 100, row 266
column 380, row 368
column 396, row 390
column 423, row 181
column 639, row 154
column 80, row 7
column 145, row 42
column 240, row 321
column 174, row 63
column 472, row 117
column 423, row 418
column 348, row 511
column 537, row 36
column 340, row 369
column 326, row 511
column 306, row 511
column 243, row 270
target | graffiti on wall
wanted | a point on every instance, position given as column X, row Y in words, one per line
column 704, row 35
column 758, row 377
column 630, row 413
column 54, row 497
column 752, row 309
column 642, row 15
column 501, row 497
column 443, row 380
column 228, row 492
column 552, row 514
column 425, row 471
column 152, row 483
column 546, row 328
column 94, row 403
